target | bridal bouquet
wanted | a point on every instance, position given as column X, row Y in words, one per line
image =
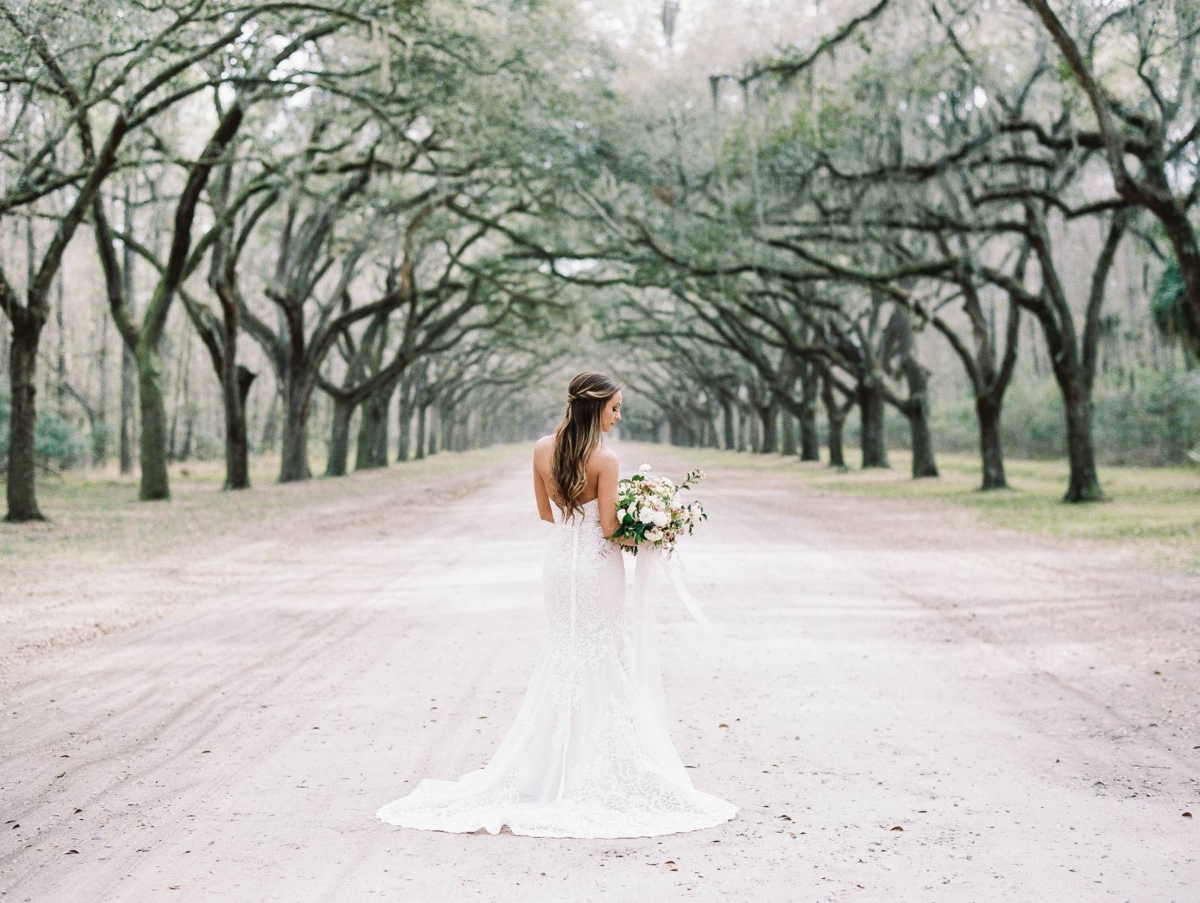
column 649, row 509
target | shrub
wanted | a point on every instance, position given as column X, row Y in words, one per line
column 57, row 442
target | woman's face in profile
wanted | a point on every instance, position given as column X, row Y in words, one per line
column 611, row 413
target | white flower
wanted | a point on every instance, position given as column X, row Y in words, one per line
column 647, row 517
column 660, row 518
column 620, row 515
column 645, row 468
column 654, row 535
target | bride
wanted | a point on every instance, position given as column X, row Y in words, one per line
column 589, row 754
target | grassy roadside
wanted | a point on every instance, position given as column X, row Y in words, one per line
column 95, row 517
column 1155, row 512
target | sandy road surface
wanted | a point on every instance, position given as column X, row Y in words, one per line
column 1026, row 713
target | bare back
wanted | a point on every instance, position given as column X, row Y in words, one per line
column 543, row 461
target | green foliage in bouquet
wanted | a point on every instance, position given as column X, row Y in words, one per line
column 650, row 512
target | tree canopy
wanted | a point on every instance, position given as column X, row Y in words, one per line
column 762, row 217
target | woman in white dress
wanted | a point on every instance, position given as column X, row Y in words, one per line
column 589, row 754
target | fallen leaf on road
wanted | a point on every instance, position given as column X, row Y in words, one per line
column 723, row 724
column 1185, row 815
column 897, row 828
column 69, row 852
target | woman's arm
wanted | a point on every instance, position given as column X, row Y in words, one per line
column 606, row 495
column 540, row 493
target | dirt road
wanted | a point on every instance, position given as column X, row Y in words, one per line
column 918, row 709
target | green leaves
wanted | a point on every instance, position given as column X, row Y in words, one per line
column 1168, row 305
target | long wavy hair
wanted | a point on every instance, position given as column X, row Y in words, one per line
column 578, row 436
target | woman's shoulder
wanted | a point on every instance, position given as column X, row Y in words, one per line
column 603, row 457
column 544, row 447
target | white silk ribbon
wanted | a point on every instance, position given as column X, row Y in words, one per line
column 644, row 622
column 646, row 557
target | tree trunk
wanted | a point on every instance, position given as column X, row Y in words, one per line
column 870, row 403
column 446, row 422
column 186, row 452
column 293, row 465
column 339, row 438
column 372, row 431
column 128, row 396
column 728, row 424
column 100, row 424
column 404, row 427
column 769, row 416
column 270, row 424
column 988, row 410
column 153, row 446
column 465, row 434
column 435, row 426
column 810, row 437
column 5, row 344
column 61, row 328
column 836, row 419
column 1084, row 484
column 837, row 447
column 787, row 423
column 235, row 386
column 382, row 437
column 916, row 378
column 486, row 433
column 923, row 462
column 181, row 401
column 22, row 460
column 128, row 361
column 422, row 426
column 1187, row 255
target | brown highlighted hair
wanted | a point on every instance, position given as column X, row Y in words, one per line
column 578, row 436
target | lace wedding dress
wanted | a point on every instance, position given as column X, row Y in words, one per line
column 589, row 754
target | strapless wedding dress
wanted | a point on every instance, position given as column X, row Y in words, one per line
column 589, row 753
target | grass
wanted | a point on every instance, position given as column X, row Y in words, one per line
column 95, row 516
column 1154, row 511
